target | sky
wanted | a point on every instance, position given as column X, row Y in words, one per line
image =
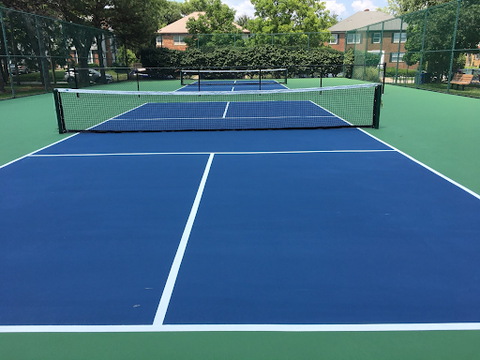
column 343, row 8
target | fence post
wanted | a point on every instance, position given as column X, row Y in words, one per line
column 42, row 57
column 75, row 77
column 422, row 51
column 453, row 47
column 384, row 76
column 7, row 53
column 67, row 51
column 399, row 47
column 366, row 52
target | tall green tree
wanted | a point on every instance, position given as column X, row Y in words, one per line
column 217, row 21
column 169, row 12
column 431, row 36
column 190, row 6
column 291, row 16
column 243, row 20
column 401, row 7
column 284, row 16
column 135, row 21
column 218, row 18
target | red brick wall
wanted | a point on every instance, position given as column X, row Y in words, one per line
column 387, row 46
column 167, row 42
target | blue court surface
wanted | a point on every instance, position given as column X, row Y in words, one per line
column 234, row 229
column 223, row 115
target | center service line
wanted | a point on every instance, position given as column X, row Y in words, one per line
column 172, row 276
column 226, row 109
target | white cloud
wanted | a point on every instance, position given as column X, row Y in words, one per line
column 360, row 5
column 244, row 7
column 335, row 8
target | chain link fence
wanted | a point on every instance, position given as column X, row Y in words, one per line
column 308, row 40
column 434, row 49
column 37, row 52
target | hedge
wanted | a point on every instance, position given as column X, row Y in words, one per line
column 264, row 56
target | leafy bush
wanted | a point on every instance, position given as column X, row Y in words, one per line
column 391, row 71
column 254, row 56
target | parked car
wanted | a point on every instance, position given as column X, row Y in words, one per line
column 22, row 69
column 94, row 76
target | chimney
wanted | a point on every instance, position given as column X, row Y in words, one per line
column 366, row 10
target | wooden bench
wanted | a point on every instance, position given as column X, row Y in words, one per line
column 461, row 79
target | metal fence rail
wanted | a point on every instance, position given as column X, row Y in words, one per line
column 35, row 50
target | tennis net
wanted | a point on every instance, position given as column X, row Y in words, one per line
column 233, row 77
column 81, row 110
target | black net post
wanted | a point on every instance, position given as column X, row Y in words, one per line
column 377, row 104
column 59, row 110
column 199, row 75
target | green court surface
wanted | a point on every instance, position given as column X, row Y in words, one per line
column 437, row 129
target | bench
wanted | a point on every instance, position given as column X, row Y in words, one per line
column 461, row 79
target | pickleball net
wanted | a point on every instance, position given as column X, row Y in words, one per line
column 233, row 77
column 80, row 110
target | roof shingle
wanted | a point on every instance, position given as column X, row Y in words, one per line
column 180, row 26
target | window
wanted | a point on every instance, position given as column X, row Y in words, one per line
column 333, row 39
column 354, row 38
column 394, row 57
column 399, row 37
column 376, row 38
column 159, row 41
column 179, row 40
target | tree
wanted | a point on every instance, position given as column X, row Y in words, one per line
column 218, row 21
column 431, row 35
column 401, row 7
column 243, row 20
column 135, row 21
column 291, row 16
column 218, row 18
column 190, row 6
column 170, row 12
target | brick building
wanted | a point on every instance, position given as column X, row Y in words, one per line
column 377, row 32
column 173, row 35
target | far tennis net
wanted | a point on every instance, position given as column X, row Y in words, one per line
column 233, row 77
column 81, row 110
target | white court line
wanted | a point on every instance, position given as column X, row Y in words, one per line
column 453, row 182
column 335, row 115
column 216, row 153
column 33, row 152
column 226, row 109
column 172, row 276
column 160, row 327
column 239, row 327
column 123, row 113
column 218, row 118
column 183, row 87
